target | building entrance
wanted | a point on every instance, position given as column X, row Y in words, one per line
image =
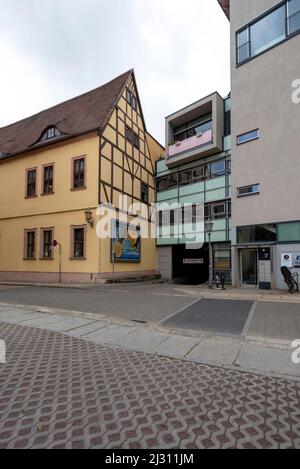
column 190, row 266
column 249, row 268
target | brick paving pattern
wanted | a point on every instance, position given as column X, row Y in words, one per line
column 58, row 391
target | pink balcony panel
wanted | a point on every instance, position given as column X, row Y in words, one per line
column 190, row 143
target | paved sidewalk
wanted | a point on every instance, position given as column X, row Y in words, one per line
column 259, row 355
column 58, row 391
column 244, row 294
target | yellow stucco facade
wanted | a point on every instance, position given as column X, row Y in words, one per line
column 113, row 166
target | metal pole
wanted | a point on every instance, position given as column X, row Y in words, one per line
column 60, row 262
column 210, row 263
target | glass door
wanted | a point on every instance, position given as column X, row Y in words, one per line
column 248, row 267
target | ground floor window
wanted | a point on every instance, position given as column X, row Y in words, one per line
column 257, row 234
column 30, row 244
column 222, row 262
column 46, row 243
column 78, row 238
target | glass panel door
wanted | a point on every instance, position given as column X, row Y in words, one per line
column 249, row 268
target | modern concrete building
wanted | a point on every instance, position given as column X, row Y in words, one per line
column 196, row 172
column 247, row 178
column 265, row 58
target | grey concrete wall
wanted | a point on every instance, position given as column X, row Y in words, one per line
column 282, row 249
column 261, row 98
column 164, row 262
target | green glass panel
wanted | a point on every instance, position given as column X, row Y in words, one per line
column 166, row 241
column 215, row 195
column 227, row 143
column 168, row 195
column 220, row 224
column 161, row 166
column 191, row 189
column 227, row 104
column 289, row 232
column 192, row 199
column 216, row 183
column 218, row 236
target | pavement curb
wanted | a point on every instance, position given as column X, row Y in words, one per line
column 205, row 339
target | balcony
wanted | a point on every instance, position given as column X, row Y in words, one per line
column 199, row 140
column 196, row 131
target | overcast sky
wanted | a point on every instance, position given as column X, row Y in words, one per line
column 52, row 50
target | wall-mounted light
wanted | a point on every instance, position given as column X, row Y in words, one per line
column 89, row 217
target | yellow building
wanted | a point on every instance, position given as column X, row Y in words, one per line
column 56, row 168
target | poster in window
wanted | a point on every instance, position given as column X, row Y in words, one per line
column 125, row 242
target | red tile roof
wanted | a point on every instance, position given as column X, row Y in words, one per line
column 225, row 5
column 88, row 112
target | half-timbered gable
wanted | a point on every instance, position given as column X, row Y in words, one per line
column 126, row 166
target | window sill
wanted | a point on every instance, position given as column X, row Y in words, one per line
column 47, row 193
column 31, row 196
column 247, row 195
column 46, row 258
column 76, row 189
column 77, row 259
column 29, row 258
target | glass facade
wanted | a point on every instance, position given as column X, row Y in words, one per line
column 192, row 176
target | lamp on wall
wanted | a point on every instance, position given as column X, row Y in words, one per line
column 89, row 217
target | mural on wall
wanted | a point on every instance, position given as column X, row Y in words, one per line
column 125, row 242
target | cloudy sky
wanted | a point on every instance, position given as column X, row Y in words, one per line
column 52, row 50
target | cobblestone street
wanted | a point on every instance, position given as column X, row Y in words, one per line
column 58, row 391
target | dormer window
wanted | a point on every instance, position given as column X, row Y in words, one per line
column 50, row 133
